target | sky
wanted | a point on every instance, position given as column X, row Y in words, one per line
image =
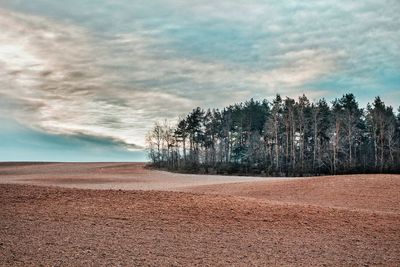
column 84, row 80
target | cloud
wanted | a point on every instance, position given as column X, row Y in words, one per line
column 53, row 77
column 64, row 81
column 110, row 69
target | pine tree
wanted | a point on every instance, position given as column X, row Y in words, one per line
column 283, row 137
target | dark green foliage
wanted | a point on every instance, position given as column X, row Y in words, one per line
column 282, row 137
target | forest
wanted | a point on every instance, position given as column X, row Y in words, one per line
column 282, row 137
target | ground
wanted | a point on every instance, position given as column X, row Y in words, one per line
column 66, row 215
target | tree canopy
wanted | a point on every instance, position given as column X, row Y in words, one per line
column 281, row 137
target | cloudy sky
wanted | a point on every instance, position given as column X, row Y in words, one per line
column 86, row 79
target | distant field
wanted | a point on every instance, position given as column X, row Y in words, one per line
column 49, row 216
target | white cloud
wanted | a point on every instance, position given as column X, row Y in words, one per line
column 69, row 83
column 70, row 79
column 51, row 74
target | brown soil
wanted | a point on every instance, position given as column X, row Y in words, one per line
column 369, row 192
column 126, row 176
column 336, row 221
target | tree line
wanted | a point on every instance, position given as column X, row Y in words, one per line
column 282, row 137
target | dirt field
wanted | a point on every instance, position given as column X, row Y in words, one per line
column 181, row 220
column 125, row 176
